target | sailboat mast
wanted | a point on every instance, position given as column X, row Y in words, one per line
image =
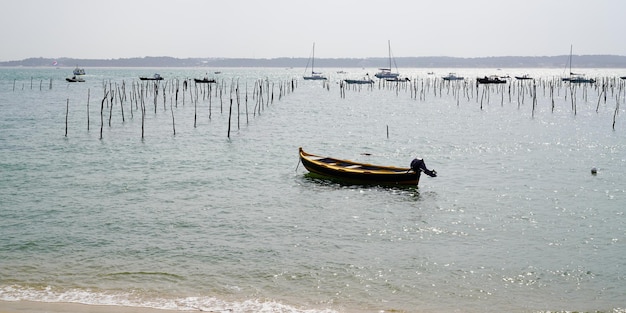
column 389, row 48
column 313, row 61
column 570, row 59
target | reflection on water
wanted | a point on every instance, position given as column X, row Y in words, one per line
column 217, row 220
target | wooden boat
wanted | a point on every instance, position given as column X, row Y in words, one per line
column 490, row 80
column 154, row 77
column 361, row 173
column 74, row 79
column 204, row 80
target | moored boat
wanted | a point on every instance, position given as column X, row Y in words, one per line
column 398, row 79
column 79, row 71
column 580, row 79
column 74, row 79
column 575, row 78
column 314, row 75
column 204, row 80
column 523, row 77
column 490, row 80
column 154, row 77
column 452, row 76
column 351, row 172
column 363, row 81
column 359, row 81
column 386, row 73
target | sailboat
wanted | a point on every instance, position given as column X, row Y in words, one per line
column 386, row 73
column 314, row 75
column 576, row 78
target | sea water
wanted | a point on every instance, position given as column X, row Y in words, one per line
column 202, row 203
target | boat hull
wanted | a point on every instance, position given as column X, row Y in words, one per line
column 204, row 81
column 314, row 77
column 358, row 81
column 580, row 80
column 453, row 78
column 386, row 75
column 358, row 173
column 491, row 81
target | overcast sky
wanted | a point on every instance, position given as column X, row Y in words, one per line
column 112, row 29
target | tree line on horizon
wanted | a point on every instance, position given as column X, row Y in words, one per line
column 561, row 61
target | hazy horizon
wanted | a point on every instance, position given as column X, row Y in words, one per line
column 316, row 58
column 287, row 29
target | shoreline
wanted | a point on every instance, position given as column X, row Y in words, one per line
column 60, row 307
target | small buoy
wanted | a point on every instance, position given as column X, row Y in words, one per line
column 594, row 171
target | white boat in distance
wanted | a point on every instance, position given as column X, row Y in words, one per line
column 386, row 73
column 574, row 77
column 452, row 76
column 363, row 81
column 79, row 71
column 314, row 75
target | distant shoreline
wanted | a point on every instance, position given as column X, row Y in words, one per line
column 561, row 61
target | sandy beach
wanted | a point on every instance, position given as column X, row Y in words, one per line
column 47, row 307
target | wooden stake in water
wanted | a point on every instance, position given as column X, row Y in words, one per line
column 102, row 113
column 143, row 118
column 67, row 110
column 87, row 109
column 111, row 106
column 119, row 96
column 229, row 114
column 195, row 112
column 615, row 113
column 173, row 122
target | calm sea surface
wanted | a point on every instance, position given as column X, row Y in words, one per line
column 194, row 217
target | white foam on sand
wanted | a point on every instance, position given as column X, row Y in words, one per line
column 19, row 299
